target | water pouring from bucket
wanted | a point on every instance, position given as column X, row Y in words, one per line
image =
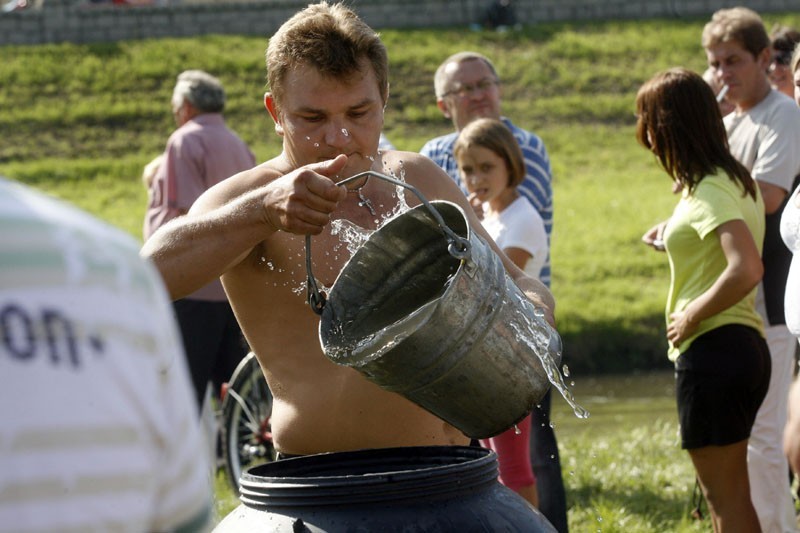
column 425, row 308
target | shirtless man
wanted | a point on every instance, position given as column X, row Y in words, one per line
column 328, row 76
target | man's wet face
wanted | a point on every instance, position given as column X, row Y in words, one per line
column 322, row 117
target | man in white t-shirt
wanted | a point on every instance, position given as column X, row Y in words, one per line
column 764, row 135
column 98, row 427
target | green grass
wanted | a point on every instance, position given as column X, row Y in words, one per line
column 80, row 121
column 623, row 467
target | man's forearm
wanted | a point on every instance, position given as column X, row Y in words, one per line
column 194, row 250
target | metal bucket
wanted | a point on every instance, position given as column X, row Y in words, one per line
column 426, row 309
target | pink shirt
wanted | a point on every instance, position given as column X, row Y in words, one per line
column 199, row 154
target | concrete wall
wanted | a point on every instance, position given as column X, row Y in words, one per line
column 79, row 21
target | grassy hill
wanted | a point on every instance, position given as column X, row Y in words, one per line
column 80, row 121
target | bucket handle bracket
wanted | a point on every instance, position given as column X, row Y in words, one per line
column 316, row 298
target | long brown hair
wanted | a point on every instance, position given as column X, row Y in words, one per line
column 679, row 121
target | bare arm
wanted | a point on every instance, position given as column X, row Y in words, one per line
column 773, row 196
column 518, row 256
column 743, row 272
column 791, row 433
column 655, row 236
column 193, row 250
column 534, row 292
column 197, row 248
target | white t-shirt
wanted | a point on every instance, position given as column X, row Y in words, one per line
column 790, row 233
column 766, row 140
column 520, row 226
column 98, row 425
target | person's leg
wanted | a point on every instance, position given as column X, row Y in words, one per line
column 721, row 380
column 546, row 464
column 513, row 459
column 232, row 348
column 766, row 462
column 722, row 471
column 201, row 333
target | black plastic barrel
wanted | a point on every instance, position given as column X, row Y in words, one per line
column 419, row 489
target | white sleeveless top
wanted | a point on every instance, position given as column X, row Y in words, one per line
column 790, row 233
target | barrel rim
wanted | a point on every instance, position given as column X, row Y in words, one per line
column 467, row 467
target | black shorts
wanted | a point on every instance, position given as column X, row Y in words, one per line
column 720, row 382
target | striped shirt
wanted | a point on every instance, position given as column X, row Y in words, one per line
column 98, row 425
column 537, row 187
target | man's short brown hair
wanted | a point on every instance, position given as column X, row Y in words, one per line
column 738, row 24
column 330, row 38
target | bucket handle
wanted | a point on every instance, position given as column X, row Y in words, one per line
column 457, row 246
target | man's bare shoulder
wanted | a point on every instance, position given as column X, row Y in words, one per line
column 237, row 185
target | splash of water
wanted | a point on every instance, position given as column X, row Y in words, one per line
column 542, row 340
column 352, row 235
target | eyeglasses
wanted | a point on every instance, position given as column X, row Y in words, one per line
column 467, row 89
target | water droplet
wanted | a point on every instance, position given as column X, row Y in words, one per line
column 345, row 132
column 316, row 145
column 517, row 431
column 565, row 371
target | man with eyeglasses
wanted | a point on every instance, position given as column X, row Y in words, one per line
column 468, row 88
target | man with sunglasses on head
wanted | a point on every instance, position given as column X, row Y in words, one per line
column 468, row 88
column 784, row 39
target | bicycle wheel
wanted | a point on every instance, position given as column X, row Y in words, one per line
column 246, row 411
